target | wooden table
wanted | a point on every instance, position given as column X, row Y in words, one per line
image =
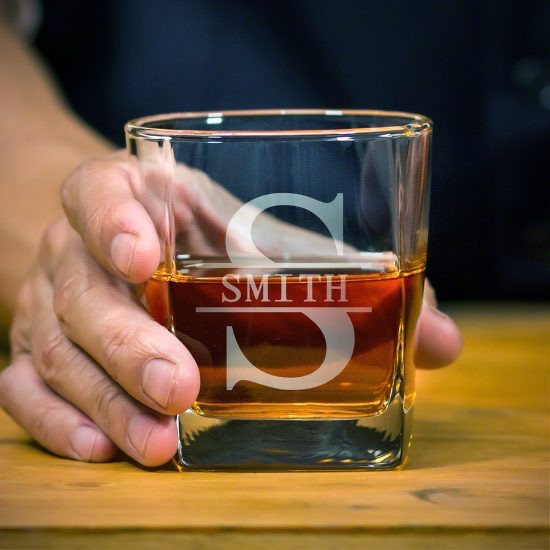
column 478, row 476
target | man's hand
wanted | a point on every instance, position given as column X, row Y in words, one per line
column 438, row 341
column 91, row 371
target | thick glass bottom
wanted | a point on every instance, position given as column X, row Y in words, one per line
column 372, row 442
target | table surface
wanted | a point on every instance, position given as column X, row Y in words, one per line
column 478, row 475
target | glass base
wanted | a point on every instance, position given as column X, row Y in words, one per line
column 374, row 442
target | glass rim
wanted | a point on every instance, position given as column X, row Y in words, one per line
column 141, row 127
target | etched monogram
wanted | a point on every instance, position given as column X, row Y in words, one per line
column 333, row 320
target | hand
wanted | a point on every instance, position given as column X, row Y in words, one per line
column 437, row 341
column 91, row 371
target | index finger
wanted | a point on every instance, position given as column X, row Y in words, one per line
column 101, row 203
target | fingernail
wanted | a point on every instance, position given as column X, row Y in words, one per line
column 83, row 441
column 139, row 430
column 157, row 381
column 122, row 252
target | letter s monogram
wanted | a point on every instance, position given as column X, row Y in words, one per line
column 337, row 329
column 334, row 322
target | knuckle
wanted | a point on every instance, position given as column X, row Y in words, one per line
column 21, row 328
column 19, row 338
column 107, row 405
column 80, row 179
column 48, row 427
column 64, row 292
column 50, row 350
column 70, row 189
column 82, row 195
column 98, row 220
column 86, row 172
column 53, row 239
column 24, row 313
column 74, row 292
column 123, row 341
column 40, row 424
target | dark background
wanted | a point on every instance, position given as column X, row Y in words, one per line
column 480, row 70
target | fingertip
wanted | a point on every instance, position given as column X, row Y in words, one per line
column 104, row 449
column 439, row 342
column 118, row 229
column 455, row 338
column 135, row 257
column 91, row 445
column 153, row 439
column 50, row 420
column 134, row 248
column 162, row 444
column 123, row 251
column 146, row 259
column 187, row 385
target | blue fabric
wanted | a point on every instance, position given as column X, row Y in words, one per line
column 457, row 62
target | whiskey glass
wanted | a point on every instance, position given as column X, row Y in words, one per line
column 293, row 255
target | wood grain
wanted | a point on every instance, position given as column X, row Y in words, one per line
column 478, row 475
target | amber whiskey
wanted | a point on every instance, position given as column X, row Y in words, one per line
column 199, row 300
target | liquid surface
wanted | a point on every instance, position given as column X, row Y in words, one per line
column 265, row 310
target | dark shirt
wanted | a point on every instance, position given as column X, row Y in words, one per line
column 480, row 70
